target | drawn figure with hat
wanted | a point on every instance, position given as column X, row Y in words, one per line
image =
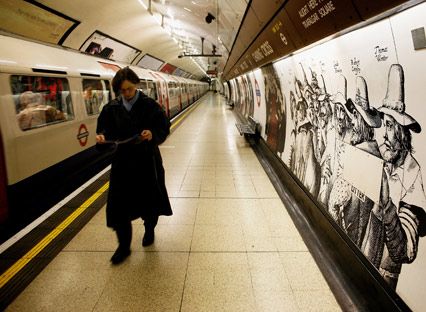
column 323, row 112
column 293, row 104
column 356, row 213
column 303, row 162
column 308, row 93
column 325, row 146
column 339, row 188
column 395, row 225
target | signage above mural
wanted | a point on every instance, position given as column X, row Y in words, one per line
column 316, row 19
column 279, row 38
column 368, row 8
column 300, row 23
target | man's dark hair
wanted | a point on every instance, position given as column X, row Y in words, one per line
column 123, row 74
column 366, row 131
column 403, row 135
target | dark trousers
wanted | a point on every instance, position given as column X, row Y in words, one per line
column 124, row 231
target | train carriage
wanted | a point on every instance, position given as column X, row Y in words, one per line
column 50, row 100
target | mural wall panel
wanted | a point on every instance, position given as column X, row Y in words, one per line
column 346, row 118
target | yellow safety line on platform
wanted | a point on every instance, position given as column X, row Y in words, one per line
column 184, row 115
column 21, row 263
column 18, row 265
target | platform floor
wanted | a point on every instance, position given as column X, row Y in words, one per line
column 230, row 245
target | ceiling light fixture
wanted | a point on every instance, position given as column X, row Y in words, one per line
column 202, row 52
column 210, row 18
column 143, row 4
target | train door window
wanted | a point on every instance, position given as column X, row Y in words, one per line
column 152, row 89
column 173, row 89
column 40, row 101
column 96, row 93
column 142, row 86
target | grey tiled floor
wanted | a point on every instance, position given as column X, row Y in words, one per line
column 230, row 245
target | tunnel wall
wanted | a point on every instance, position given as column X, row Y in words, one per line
column 345, row 117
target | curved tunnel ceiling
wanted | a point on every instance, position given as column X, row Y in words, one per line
column 164, row 29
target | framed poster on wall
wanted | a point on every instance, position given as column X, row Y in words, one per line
column 150, row 62
column 110, row 48
column 36, row 21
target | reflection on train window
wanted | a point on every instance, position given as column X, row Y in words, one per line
column 141, row 86
column 40, row 101
column 151, row 90
column 96, row 93
column 173, row 89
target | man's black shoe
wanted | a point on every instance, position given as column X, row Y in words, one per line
column 148, row 238
column 120, row 255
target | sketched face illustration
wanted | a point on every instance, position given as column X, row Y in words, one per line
column 358, row 128
column 316, row 103
column 341, row 119
column 392, row 147
column 324, row 114
column 301, row 112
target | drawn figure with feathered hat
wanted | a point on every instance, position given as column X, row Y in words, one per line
column 326, row 142
column 302, row 160
column 396, row 224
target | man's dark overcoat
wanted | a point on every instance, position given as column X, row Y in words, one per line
column 137, row 184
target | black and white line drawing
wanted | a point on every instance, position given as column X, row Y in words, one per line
column 356, row 212
column 397, row 223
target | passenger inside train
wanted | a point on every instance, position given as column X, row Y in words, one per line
column 41, row 104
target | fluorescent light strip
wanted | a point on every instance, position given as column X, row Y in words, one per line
column 51, row 66
column 143, row 4
column 7, row 62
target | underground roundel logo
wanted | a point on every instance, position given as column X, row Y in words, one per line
column 82, row 135
column 257, row 90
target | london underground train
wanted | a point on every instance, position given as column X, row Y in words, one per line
column 50, row 100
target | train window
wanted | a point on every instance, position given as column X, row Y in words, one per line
column 40, row 101
column 96, row 93
column 173, row 89
column 142, row 86
column 152, row 90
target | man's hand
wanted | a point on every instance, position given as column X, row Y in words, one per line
column 146, row 135
column 100, row 139
column 385, row 204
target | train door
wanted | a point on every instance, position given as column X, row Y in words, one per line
column 187, row 93
column 173, row 98
column 163, row 97
column 142, row 86
column 160, row 94
column 166, row 97
column 152, row 90
column 193, row 92
column 180, row 92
